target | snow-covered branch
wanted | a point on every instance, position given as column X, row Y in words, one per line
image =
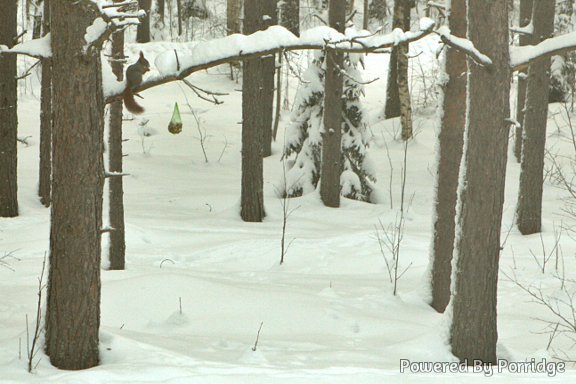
column 38, row 48
column 114, row 15
column 463, row 45
column 526, row 30
column 521, row 57
column 173, row 67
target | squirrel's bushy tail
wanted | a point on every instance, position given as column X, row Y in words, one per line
column 130, row 103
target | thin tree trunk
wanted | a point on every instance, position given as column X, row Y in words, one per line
column 73, row 299
column 179, row 10
column 473, row 331
column 332, row 136
column 233, row 12
column 161, row 10
column 291, row 16
column 233, row 25
column 268, row 71
column 278, row 98
column 8, row 112
column 143, row 29
column 524, row 20
column 366, row 16
column 401, row 19
column 45, row 174
column 117, row 248
column 252, row 193
column 529, row 209
column 450, row 146
column 404, row 92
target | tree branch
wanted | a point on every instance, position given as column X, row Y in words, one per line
column 463, row 45
column 521, row 57
column 268, row 42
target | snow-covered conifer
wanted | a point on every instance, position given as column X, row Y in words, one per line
column 303, row 141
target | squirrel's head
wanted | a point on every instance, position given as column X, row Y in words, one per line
column 143, row 62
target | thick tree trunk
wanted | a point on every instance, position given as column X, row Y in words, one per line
column 529, row 209
column 291, row 16
column 398, row 62
column 450, row 146
column 73, row 301
column 252, row 193
column 473, row 332
column 45, row 168
column 143, row 29
column 117, row 248
column 332, row 135
column 524, row 20
column 8, row 112
column 268, row 72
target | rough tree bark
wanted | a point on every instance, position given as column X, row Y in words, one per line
column 332, row 135
column 398, row 65
column 291, row 16
column 45, row 168
column 143, row 29
column 73, row 292
column 473, row 331
column 529, row 209
column 8, row 112
column 117, row 248
column 268, row 72
column 252, row 194
column 450, row 146
column 524, row 19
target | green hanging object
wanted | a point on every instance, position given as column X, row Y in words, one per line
column 175, row 126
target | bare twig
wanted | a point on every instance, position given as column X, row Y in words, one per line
column 257, row 337
column 33, row 349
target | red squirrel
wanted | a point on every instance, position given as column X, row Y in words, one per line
column 134, row 75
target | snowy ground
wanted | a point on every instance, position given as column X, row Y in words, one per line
column 328, row 313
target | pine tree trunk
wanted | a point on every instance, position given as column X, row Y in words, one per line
column 473, row 331
column 8, row 112
column 268, row 72
column 45, row 168
column 117, row 249
column 179, row 10
column 450, row 146
column 366, row 15
column 143, row 29
column 161, row 10
column 291, row 16
column 525, row 17
column 233, row 11
column 332, row 136
column 252, row 193
column 529, row 209
column 398, row 62
column 404, row 92
column 73, row 292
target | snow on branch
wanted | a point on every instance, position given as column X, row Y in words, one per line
column 463, row 45
column 521, row 57
column 38, row 48
column 114, row 16
column 526, row 30
column 172, row 66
